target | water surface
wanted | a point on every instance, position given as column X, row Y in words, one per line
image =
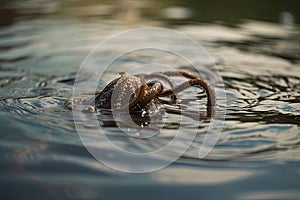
column 256, row 157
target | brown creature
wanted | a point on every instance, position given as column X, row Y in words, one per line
column 134, row 93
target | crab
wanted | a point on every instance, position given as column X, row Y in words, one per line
column 143, row 93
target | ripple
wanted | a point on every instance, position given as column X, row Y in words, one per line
column 262, row 86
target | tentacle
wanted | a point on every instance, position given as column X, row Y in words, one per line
column 211, row 98
column 181, row 73
column 161, row 77
column 155, row 90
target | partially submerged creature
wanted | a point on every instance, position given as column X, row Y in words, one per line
column 142, row 93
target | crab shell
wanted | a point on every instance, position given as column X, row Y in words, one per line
column 125, row 92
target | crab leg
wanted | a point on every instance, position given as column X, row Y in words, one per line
column 211, row 99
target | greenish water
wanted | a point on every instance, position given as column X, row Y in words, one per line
column 42, row 156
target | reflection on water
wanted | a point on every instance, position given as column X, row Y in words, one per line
column 258, row 152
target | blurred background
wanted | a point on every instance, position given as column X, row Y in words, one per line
column 255, row 45
column 176, row 11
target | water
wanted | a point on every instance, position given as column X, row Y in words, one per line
column 256, row 157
